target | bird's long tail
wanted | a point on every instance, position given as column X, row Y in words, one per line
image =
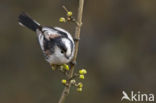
column 27, row 21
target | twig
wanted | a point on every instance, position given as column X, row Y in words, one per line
column 77, row 37
column 69, row 18
column 65, row 8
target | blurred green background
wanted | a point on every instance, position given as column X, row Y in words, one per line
column 117, row 47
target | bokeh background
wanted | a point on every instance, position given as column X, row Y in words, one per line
column 117, row 47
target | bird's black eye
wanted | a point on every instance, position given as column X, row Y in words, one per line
column 62, row 51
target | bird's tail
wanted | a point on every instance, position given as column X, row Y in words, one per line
column 27, row 21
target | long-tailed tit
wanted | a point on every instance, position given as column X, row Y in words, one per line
column 56, row 43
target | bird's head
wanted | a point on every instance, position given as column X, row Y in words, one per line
column 66, row 48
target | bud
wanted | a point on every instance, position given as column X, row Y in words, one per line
column 81, row 76
column 80, row 85
column 53, row 68
column 73, row 81
column 83, row 71
column 69, row 13
column 64, row 81
column 62, row 19
column 66, row 67
column 79, row 89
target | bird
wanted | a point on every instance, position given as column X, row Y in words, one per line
column 56, row 43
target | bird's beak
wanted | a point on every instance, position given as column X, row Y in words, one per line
column 67, row 56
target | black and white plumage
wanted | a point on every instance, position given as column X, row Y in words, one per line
column 56, row 43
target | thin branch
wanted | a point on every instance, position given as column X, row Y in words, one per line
column 65, row 8
column 77, row 37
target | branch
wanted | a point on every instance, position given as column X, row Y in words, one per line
column 73, row 62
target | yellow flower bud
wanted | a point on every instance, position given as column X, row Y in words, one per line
column 62, row 19
column 81, row 76
column 66, row 67
column 80, row 85
column 83, row 71
column 80, row 71
column 79, row 89
column 69, row 13
column 64, row 81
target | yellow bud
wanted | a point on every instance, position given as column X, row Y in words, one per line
column 80, row 85
column 83, row 71
column 64, row 81
column 66, row 67
column 69, row 13
column 62, row 19
column 81, row 76
column 79, row 89
column 80, row 71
